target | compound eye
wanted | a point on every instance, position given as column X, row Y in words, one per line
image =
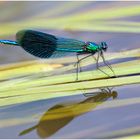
column 104, row 46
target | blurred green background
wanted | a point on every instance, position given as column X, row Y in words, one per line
column 117, row 23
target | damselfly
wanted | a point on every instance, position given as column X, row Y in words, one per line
column 47, row 46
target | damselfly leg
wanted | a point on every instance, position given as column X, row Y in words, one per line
column 107, row 63
column 97, row 64
column 77, row 64
column 108, row 91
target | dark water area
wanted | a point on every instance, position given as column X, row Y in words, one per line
column 99, row 116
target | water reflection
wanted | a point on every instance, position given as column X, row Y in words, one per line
column 60, row 115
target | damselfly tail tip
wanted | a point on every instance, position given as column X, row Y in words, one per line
column 8, row 42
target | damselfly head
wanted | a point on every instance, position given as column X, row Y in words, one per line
column 104, row 46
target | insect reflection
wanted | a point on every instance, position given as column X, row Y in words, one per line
column 60, row 115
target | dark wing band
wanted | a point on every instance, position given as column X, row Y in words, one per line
column 37, row 43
